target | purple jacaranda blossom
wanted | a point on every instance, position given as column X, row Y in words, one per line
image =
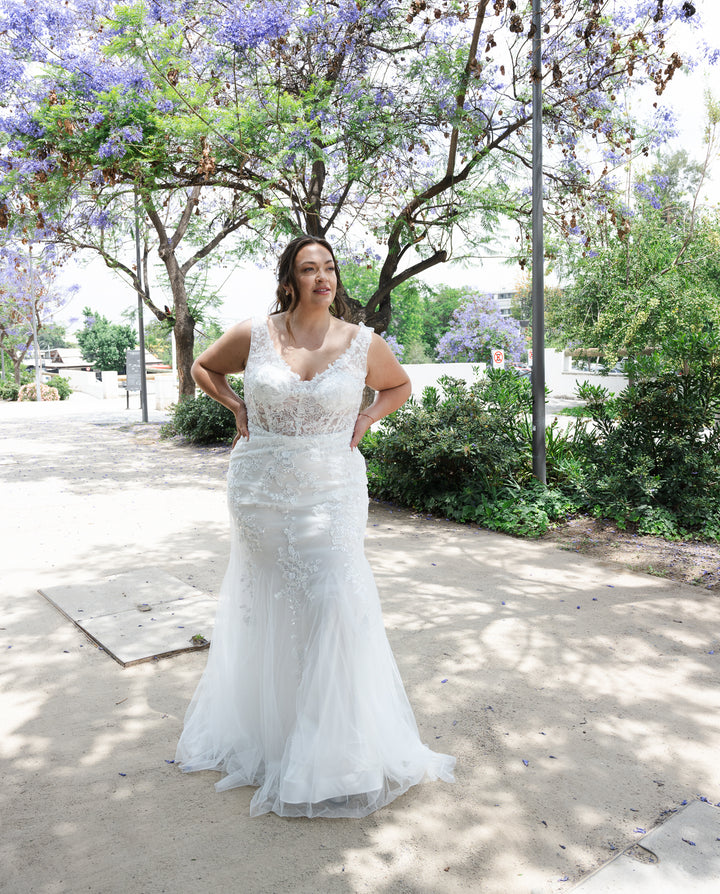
column 478, row 326
column 395, row 346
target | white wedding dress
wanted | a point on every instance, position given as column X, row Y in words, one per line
column 301, row 695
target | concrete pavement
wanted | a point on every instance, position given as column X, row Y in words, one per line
column 580, row 700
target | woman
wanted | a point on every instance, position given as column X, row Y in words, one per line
column 301, row 695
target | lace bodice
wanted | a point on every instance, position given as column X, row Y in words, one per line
column 279, row 401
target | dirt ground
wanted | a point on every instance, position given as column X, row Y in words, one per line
column 580, row 699
column 689, row 561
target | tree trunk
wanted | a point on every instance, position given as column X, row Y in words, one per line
column 184, row 327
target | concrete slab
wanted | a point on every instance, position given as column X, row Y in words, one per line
column 682, row 855
column 138, row 615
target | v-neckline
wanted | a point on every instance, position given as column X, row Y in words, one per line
column 317, row 375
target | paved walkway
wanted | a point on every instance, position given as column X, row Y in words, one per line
column 581, row 701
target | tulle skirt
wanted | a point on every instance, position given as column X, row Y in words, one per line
column 301, row 695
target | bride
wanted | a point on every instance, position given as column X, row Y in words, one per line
column 301, row 695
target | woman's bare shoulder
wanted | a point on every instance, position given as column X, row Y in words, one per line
column 244, row 326
column 347, row 328
column 230, row 352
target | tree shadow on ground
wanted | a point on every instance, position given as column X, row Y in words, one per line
column 579, row 701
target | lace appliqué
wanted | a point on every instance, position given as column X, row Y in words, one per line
column 298, row 454
column 279, row 401
column 297, row 573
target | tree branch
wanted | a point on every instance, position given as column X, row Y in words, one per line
column 214, row 242
column 464, row 81
column 190, row 205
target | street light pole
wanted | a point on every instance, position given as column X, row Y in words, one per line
column 33, row 323
column 141, row 327
column 538, row 262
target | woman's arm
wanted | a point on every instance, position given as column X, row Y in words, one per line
column 227, row 356
column 390, row 382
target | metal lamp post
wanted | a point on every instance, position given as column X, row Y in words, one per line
column 33, row 323
column 538, row 278
column 141, row 325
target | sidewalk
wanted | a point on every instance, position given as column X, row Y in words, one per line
column 581, row 701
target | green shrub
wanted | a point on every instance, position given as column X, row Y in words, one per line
column 655, row 458
column 465, row 452
column 203, row 420
column 62, row 385
column 9, row 389
column 649, row 457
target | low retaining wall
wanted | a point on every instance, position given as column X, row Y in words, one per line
column 87, row 382
column 166, row 390
column 162, row 387
column 423, row 375
column 560, row 378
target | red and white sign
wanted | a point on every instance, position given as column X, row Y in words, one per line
column 498, row 358
column 530, row 353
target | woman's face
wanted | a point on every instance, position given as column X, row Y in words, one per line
column 315, row 276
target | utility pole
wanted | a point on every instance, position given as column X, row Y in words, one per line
column 33, row 323
column 538, row 261
column 141, row 325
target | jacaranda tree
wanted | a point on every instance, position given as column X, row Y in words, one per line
column 406, row 124
column 29, row 296
column 398, row 128
column 478, row 326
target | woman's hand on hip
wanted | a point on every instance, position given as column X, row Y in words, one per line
column 362, row 424
column 241, row 423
